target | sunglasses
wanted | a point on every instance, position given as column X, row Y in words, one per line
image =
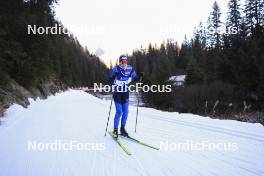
column 123, row 62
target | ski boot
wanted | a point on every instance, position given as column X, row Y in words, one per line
column 123, row 131
column 115, row 132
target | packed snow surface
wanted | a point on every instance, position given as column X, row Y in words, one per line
column 188, row 143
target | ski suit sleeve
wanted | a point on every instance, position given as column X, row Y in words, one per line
column 134, row 76
column 113, row 75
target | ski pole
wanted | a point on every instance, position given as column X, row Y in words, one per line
column 109, row 115
column 110, row 106
column 137, row 113
column 137, row 106
column 140, row 80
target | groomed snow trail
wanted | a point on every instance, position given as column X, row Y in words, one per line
column 78, row 116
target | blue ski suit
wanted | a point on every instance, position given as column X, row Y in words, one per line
column 121, row 78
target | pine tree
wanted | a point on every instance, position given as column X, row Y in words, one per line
column 214, row 26
column 200, row 33
column 254, row 14
column 194, row 73
column 184, row 55
column 234, row 14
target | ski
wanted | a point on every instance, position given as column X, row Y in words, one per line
column 123, row 147
column 139, row 142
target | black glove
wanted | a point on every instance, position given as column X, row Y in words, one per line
column 116, row 74
column 112, row 79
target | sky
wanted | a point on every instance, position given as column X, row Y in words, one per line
column 111, row 28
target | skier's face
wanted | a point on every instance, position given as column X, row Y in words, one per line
column 123, row 64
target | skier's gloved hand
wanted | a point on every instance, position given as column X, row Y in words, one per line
column 116, row 74
column 112, row 79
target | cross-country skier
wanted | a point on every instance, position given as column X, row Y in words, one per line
column 120, row 76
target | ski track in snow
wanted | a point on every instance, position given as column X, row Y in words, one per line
column 76, row 115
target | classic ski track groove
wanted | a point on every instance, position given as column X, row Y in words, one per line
column 214, row 129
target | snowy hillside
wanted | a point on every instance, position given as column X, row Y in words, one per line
column 79, row 117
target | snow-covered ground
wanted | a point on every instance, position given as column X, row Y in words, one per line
column 79, row 117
